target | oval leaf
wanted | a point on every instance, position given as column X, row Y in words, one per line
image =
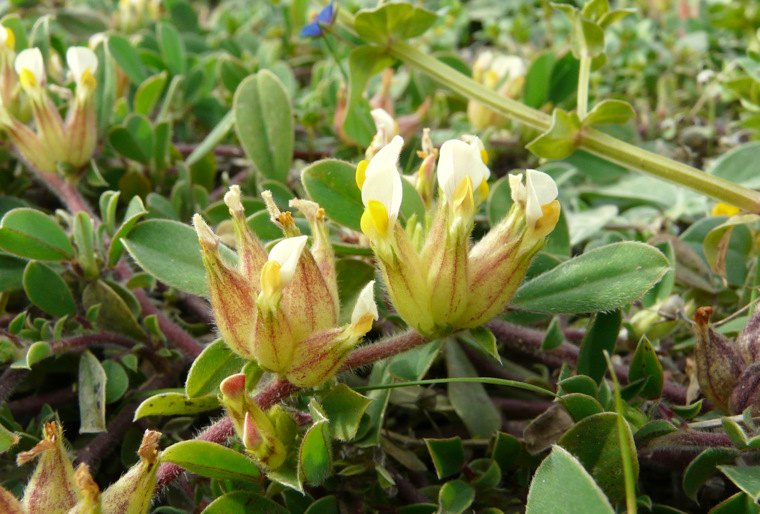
column 170, row 252
column 215, row 363
column 561, row 484
column 47, row 290
column 264, row 124
column 92, row 395
column 174, row 404
column 603, row 279
column 32, row 234
column 211, row 460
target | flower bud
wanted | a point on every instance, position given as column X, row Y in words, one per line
column 499, row 261
column 387, row 129
column 504, row 74
column 28, row 144
column 234, row 399
column 321, row 249
column 9, row 504
column 30, row 68
column 232, row 297
column 90, row 502
column 318, row 357
column 133, row 492
column 52, row 487
column 719, row 362
column 260, row 438
column 81, row 122
column 425, row 179
column 746, row 392
column 251, row 253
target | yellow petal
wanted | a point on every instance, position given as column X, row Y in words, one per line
column 271, row 279
column 464, row 199
column 27, row 79
column 361, row 173
column 375, row 222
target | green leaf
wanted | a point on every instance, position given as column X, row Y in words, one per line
column 47, row 290
column 332, row 184
column 538, row 80
column 211, row 460
column 553, row 337
column 215, row 363
column 127, row 57
column 455, row 497
column 175, row 404
column 609, row 111
column 739, row 247
column 716, row 243
column 561, row 484
column 704, row 466
column 264, row 124
column 581, row 406
column 35, row 353
column 447, row 455
column 687, row 411
column 352, row 275
column 113, row 312
column 595, row 441
column 30, row 233
column 746, row 478
column 740, row 503
column 583, row 384
column 149, row 92
column 84, row 238
column 118, row 381
column 605, row 278
column 602, row 336
column 81, row 22
column 135, row 211
column 92, row 395
column 217, row 134
column 172, row 48
column 243, row 502
column 124, row 142
column 646, row 364
column 12, row 273
column 344, row 407
column 735, row 433
column 170, row 252
column 482, row 339
column 499, row 201
column 363, row 63
column 315, row 454
column 564, row 79
column 400, row 21
column 562, row 138
column 738, row 165
column 7, row 439
column 470, row 401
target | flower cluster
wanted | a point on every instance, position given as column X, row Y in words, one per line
column 438, row 283
column 56, row 487
column 280, row 308
column 56, row 144
column 502, row 73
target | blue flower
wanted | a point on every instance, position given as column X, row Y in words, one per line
column 321, row 23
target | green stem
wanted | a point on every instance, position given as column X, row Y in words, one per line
column 593, row 141
column 583, row 79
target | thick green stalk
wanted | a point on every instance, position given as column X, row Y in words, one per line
column 583, row 78
column 591, row 140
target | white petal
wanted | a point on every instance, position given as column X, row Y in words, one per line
column 386, row 158
column 3, row 35
column 384, row 123
column 232, row 199
column 508, row 66
column 543, row 185
column 541, row 190
column 517, row 188
column 287, row 253
column 458, row 160
column 483, row 62
column 386, row 187
column 31, row 59
column 365, row 303
column 80, row 59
